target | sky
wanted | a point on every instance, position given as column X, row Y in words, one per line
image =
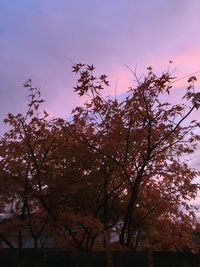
column 40, row 38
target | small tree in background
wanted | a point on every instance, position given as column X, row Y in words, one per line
column 43, row 173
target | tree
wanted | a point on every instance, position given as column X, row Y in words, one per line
column 116, row 169
column 141, row 141
column 26, row 154
column 39, row 178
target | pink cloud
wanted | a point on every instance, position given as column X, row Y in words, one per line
column 186, row 62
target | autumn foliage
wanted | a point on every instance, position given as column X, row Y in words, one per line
column 113, row 176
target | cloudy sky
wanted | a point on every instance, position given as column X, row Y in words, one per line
column 37, row 38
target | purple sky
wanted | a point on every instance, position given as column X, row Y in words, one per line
column 38, row 36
